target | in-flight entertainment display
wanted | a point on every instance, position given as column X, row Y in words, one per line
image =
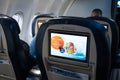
column 118, row 4
column 68, row 45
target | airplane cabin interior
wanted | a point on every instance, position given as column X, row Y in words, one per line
column 59, row 40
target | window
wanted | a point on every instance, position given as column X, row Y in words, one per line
column 19, row 18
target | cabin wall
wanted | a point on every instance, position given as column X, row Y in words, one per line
column 83, row 8
column 4, row 6
column 29, row 8
column 24, row 6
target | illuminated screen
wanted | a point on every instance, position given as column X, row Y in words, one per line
column 106, row 26
column 67, row 45
column 118, row 4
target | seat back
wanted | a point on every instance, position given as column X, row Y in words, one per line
column 6, row 67
column 113, row 32
column 18, row 50
column 38, row 20
column 36, row 24
column 72, row 49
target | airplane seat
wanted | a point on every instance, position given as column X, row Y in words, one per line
column 113, row 31
column 38, row 20
column 73, row 49
column 6, row 69
column 36, row 24
column 18, row 50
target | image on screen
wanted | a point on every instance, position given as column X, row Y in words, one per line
column 106, row 26
column 118, row 4
column 68, row 46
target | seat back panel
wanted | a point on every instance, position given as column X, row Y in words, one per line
column 6, row 68
column 54, row 65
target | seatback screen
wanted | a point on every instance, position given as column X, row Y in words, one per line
column 68, row 45
column 118, row 4
column 106, row 26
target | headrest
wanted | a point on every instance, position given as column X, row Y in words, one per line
column 10, row 22
column 76, row 21
column 102, row 19
column 105, row 19
column 113, row 26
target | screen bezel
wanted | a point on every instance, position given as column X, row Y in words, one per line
column 68, row 33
